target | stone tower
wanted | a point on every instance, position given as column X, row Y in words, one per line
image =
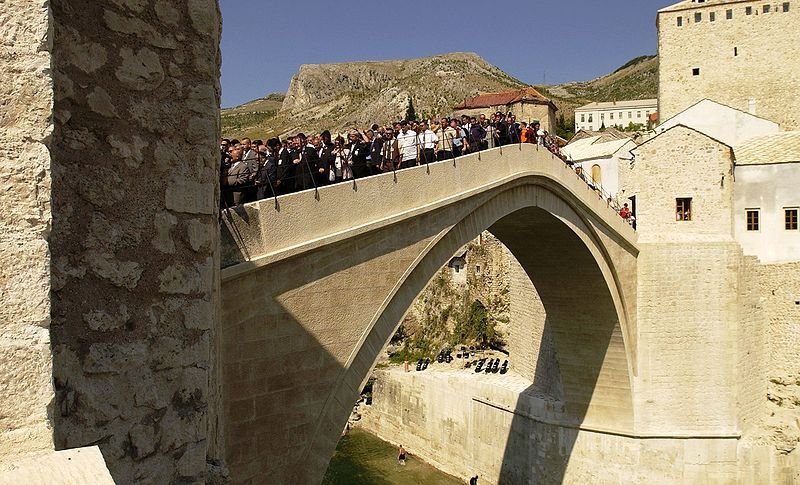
column 733, row 52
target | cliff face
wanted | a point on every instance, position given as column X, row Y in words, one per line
column 382, row 89
column 357, row 94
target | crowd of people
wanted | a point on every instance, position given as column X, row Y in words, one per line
column 252, row 170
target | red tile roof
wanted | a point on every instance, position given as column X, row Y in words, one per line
column 505, row 98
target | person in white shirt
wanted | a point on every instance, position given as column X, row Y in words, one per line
column 427, row 139
column 407, row 139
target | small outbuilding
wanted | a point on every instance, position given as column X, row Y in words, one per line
column 527, row 104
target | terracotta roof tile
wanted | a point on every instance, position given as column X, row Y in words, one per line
column 504, row 98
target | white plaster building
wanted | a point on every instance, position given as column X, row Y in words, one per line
column 767, row 197
column 601, row 159
column 594, row 116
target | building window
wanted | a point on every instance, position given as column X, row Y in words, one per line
column 478, row 268
column 590, row 117
column 602, row 116
column 612, row 115
column 638, row 114
column 680, row 21
column 748, row 10
column 790, row 217
column 683, row 209
column 729, row 14
column 766, row 9
column 583, row 118
column 785, row 6
column 630, row 114
column 696, row 71
column 712, row 16
column 753, row 219
column 698, row 17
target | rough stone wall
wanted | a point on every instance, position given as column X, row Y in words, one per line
column 135, row 239
column 26, row 89
column 780, row 290
column 761, row 68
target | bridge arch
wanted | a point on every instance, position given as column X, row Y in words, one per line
column 570, row 252
column 568, row 265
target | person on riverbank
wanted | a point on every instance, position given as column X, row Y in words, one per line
column 473, row 480
column 401, row 456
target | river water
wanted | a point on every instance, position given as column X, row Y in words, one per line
column 363, row 459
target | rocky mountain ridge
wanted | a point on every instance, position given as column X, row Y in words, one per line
column 354, row 94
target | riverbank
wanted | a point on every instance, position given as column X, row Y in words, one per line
column 364, row 459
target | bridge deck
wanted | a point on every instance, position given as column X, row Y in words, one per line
column 259, row 233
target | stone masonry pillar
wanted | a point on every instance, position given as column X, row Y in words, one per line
column 26, row 99
column 134, row 241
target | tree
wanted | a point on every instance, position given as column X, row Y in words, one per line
column 565, row 128
column 411, row 113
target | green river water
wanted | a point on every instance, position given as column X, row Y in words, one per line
column 361, row 458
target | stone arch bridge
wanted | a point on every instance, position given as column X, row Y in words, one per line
column 314, row 285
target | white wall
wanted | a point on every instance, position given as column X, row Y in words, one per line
column 770, row 188
column 609, row 172
column 638, row 114
column 721, row 122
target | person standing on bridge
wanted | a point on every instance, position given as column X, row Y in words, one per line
column 445, row 134
column 407, row 140
column 390, row 152
column 427, row 140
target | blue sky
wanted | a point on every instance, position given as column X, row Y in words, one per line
column 265, row 42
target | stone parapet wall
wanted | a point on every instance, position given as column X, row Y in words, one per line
column 26, row 89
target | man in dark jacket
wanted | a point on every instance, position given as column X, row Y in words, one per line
column 268, row 174
column 326, row 158
column 358, row 154
column 305, row 160
column 286, row 169
column 476, row 135
column 374, row 159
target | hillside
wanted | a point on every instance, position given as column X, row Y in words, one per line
column 636, row 79
column 337, row 96
column 256, row 113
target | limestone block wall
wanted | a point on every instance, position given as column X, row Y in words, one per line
column 752, row 349
column 780, row 290
column 26, row 88
column 134, row 241
column 500, row 430
column 745, row 62
column 530, row 340
column 681, row 163
column 689, row 331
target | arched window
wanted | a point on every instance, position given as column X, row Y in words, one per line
column 597, row 174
